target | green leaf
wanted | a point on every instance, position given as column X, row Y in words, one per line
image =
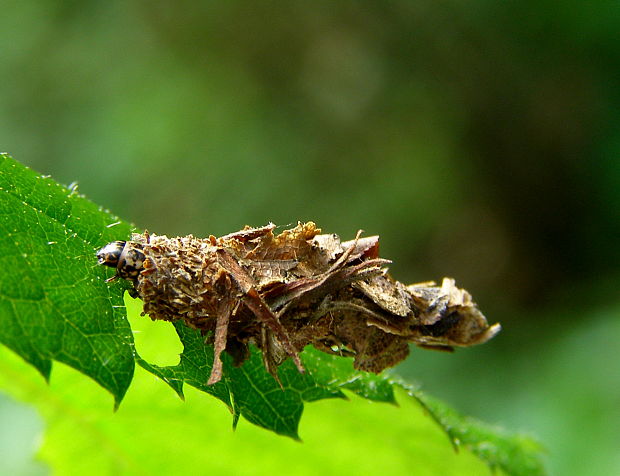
column 336, row 372
column 154, row 432
column 56, row 305
column 515, row 454
column 247, row 390
column 53, row 304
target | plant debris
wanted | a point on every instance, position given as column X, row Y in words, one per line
column 300, row 287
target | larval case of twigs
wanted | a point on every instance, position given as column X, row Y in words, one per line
column 284, row 291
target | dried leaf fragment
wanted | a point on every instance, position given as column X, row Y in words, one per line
column 283, row 292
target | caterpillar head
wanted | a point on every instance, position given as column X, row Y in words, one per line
column 125, row 256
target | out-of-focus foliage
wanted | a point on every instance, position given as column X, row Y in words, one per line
column 479, row 139
column 153, row 432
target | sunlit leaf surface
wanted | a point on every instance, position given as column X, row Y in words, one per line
column 56, row 305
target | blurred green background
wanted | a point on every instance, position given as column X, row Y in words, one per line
column 479, row 139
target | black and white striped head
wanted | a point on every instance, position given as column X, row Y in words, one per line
column 125, row 256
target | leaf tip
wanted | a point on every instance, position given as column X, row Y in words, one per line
column 235, row 420
column 43, row 366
